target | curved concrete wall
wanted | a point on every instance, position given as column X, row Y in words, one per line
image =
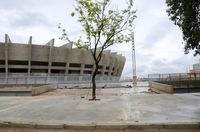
column 30, row 59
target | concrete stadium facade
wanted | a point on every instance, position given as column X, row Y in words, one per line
column 17, row 59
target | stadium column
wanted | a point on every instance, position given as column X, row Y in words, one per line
column 67, row 57
column 82, row 58
column 66, row 68
column 29, row 55
column 114, row 54
column 119, row 65
column 103, row 64
column 50, row 44
column 122, row 62
column 7, row 42
column 116, row 65
column 103, row 70
column 82, row 61
column 82, row 69
column 111, row 64
column 107, row 61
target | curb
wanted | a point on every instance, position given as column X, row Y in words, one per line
column 92, row 126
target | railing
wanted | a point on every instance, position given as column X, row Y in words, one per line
column 55, row 79
column 174, row 77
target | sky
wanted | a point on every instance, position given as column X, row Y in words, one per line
column 159, row 46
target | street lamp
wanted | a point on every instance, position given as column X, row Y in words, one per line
column 134, row 60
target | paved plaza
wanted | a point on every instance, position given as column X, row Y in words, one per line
column 112, row 110
column 120, row 108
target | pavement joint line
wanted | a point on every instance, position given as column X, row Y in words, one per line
column 100, row 126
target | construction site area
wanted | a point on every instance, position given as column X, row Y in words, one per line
column 122, row 107
column 45, row 88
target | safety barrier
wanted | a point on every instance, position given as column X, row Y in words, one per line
column 55, row 79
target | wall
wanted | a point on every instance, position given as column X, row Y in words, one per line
column 18, row 59
column 160, row 87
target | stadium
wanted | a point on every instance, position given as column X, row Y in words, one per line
column 29, row 60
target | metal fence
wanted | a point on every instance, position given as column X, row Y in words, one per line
column 174, row 77
column 55, row 79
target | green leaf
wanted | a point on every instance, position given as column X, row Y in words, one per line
column 72, row 14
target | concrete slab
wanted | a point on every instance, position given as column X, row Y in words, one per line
column 111, row 111
column 27, row 90
column 109, row 89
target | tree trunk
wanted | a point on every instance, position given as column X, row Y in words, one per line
column 94, row 83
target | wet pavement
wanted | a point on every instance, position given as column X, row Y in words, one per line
column 133, row 109
column 120, row 108
column 103, row 89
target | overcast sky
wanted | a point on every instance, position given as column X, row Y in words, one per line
column 158, row 41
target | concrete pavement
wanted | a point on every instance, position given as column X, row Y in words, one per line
column 136, row 111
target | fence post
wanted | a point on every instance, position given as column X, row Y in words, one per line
column 159, row 77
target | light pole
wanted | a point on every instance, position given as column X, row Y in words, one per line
column 134, row 60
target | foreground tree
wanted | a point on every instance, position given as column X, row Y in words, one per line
column 186, row 14
column 103, row 27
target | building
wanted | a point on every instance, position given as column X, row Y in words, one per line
column 17, row 59
column 196, row 68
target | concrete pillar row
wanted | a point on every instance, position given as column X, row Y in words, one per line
column 83, row 57
column 7, row 42
column 122, row 62
column 103, row 70
column 82, row 69
column 7, row 39
column 120, row 65
column 67, row 68
column 103, row 65
column 67, row 57
column 29, row 55
column 110, row 64
column 51, row 45
column 107, row 53
column 116, row 65
column 112, row 61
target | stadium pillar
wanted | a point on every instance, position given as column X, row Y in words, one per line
column 29, row 56
column 50, row 44
column 7, row 42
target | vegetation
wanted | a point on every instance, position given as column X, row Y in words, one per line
column 103, row 27
column 186, row 14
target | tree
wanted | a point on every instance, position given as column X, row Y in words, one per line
column 103, row 27
column 186, row 14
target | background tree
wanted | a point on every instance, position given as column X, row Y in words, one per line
column 186, row 14
column 103, row 27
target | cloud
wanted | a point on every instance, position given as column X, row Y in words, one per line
column 22, row 19
column 157, row 32
column 158, row 42
column 29, row 19
column 16, row 4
